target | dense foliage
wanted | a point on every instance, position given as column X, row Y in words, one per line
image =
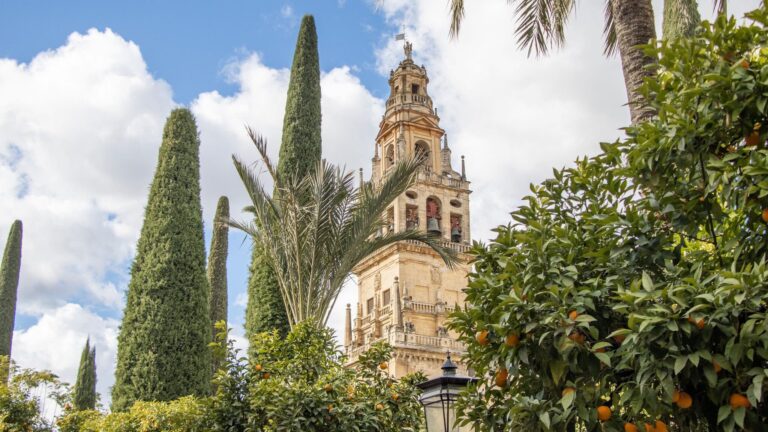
column 217, row 267
column 163, row 342
column 23, row 396
column 84, row 394
column 300, row 150
column 296, row 383
column 9, row 283
column 631, row 289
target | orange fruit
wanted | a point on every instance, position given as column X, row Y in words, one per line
column 739, row 400
column 328, row 388
column 395, row 397
column 577, row 337
column 629, row 427
column 573, row 315
column 266, row 375
column 501, row 377
column 716, row 366
column 675, row 396
column 330, row 408
column 765, row 215
column 379, row 407
column 745, row 64
column 482, row 338
column 603, row 413
column 512, row 340
column 661, row 426
column 568, row 390
column 257, row 368
column 619, row 339
column 700, row 324
column 685, row 401
column 383, row 366
column 752, row 139
column 649, row 428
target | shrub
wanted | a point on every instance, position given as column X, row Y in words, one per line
column 20, row 398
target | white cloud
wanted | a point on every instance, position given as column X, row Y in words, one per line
column 350, row 119
column 286, row 11
column 78, row 125
column 56, row 342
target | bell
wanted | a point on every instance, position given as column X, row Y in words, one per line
column 432, row 226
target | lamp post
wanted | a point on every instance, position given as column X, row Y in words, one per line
column 439, row 397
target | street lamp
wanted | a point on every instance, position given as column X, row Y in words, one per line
column 439, row 397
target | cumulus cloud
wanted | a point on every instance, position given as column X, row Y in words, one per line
column 78, row 124
column 56, row 342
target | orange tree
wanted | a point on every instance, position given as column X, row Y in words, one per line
column 630, row 291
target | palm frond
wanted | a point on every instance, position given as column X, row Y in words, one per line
column 541, row 24
column 609, row 31
column 317, row 227
column 721, row 7
column 457, row 15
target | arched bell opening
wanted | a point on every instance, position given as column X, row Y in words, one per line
column 433, row 215
column 422, row 153
column 456, row 230
column 389, row 156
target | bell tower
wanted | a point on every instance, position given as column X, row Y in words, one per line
column 405, row 291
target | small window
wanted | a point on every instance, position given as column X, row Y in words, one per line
column 455, row 203
column 411, row 194
column 415, row 88
column 385, row 298
column 369, row 305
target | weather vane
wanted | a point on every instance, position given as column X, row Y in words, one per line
column 407, row 46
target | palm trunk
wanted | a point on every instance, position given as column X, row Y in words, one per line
column 633, row 20
column 681, row 18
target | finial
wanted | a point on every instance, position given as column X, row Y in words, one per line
column 408, row 48
column 376, row 150
column 449, row 367
column 463, row 169
column 362, row 182
column 445, row 142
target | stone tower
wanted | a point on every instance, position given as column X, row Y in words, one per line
column 405, row 291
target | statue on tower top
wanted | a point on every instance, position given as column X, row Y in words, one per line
column 408, row 47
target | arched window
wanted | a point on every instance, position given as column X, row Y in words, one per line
column 389, row 156
column 422, row 152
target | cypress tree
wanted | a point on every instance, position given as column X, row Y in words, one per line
column 162, row 351
column 681, row 18
column 84, row 397
column 9, row 283
column 300, row 149
column 217, row 266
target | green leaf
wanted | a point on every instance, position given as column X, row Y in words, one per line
column 544, row 417
column 680, row 362
column 647, row 282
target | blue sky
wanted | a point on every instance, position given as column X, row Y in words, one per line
column 85, row 87
column 188, row 43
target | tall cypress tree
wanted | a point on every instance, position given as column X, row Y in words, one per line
column 217, row 266
column 84, row 397
column 162, row 351
column 681, row 18
column 300, row 149
column 9, row 283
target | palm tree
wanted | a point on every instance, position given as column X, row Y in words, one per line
column 317, row 227
column 628, row 24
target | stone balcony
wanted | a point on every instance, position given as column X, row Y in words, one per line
column 401, row 339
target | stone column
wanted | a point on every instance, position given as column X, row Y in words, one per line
column 348, row 328
column 397, row 312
